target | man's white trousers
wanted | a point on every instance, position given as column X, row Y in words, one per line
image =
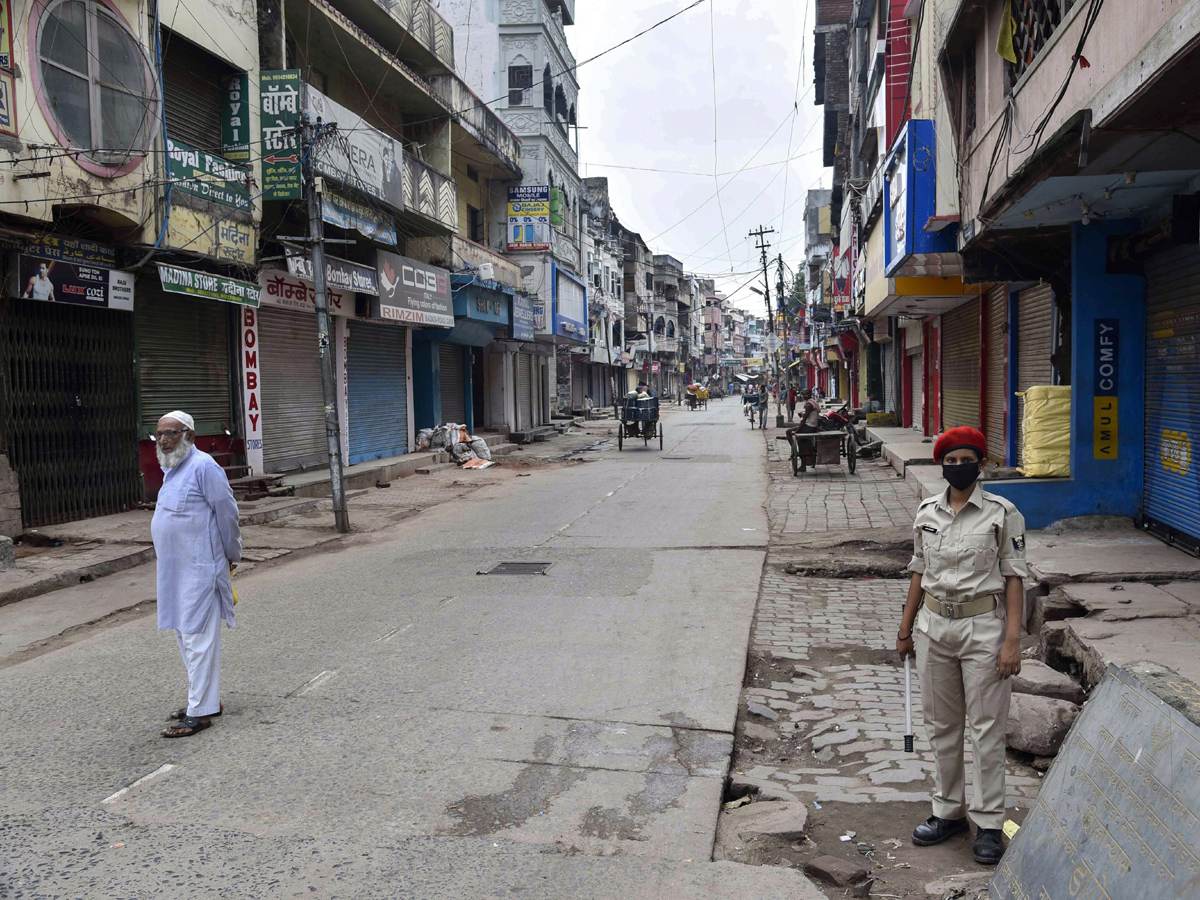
column 202, row 656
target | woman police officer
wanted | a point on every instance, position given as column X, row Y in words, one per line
column 962, row 621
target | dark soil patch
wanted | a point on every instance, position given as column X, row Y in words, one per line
column 876, row 827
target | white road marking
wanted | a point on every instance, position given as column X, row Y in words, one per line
column 313, row 682
column 391, row 634
column 161, row 770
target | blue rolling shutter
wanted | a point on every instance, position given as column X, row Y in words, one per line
column 377, row 387
column 1171, row 505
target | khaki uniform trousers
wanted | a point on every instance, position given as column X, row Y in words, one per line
column 957, row 663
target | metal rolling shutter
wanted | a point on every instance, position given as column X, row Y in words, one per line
column 524, row 392
column 68, row 409
column 960, row 366
column 918, row 389
column 377, row 375
column 889, row 377
column 192, row 89
column 1035, row 343
column 1171, row 501
column 184, row 359
column 997, row 392
column 453, row 382
column 293, row 404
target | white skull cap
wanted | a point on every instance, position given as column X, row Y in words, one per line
column 182, row 418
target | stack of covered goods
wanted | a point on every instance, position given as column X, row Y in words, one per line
column 462, row 446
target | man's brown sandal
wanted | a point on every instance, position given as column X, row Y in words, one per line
column 182, row 713
column 186, row 726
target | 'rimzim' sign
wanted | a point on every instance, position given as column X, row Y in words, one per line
column 1118, row 816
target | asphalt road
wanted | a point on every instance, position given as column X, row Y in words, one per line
column 398, row 725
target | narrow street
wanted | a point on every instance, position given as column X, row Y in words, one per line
column 398, row 725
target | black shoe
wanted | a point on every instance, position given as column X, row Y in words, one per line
column 934, row 831
column 988, row 846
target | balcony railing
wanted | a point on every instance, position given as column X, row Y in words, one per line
column 454, row 252
column 429, row 193
column 428, row 38
column 479, row 120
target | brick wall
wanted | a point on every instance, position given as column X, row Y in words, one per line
column 10, row 500
column 834, row 12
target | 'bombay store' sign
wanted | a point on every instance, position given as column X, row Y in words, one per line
column 281, row 289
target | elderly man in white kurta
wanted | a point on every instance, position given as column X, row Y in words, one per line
column 196, row 537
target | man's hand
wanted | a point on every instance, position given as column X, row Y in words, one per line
column 904, row 646
column 1010, row 658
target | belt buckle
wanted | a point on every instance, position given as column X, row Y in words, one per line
column 952, row 610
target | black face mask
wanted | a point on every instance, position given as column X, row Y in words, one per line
column 961, row 476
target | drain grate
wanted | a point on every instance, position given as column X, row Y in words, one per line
column 517, row 568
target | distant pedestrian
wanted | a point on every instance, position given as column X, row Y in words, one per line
column 962, row 622
column 196, row 537
column 791, row 403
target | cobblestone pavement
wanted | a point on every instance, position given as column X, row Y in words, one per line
column 829, row 498
column 843, row 703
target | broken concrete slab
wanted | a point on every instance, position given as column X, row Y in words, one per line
column 783, row 821
column 1094, row 644
column 1124, row 601
column 758, row 732
column 1107, row 556
column 1178, row 692
column 1038, row 725
column 1038, row 678
column 1186, row 591
column 831, row 870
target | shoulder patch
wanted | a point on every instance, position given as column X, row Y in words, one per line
column 1008, row 505
column 929, row 501
column 1019, row 543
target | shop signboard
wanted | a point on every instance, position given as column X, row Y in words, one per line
column 1105, row 382
column 235, row 118
column 523, row 326
column 338, row 209
column 211, row 234
column 529, row 217
column 251, row 388
column 413, row 292
column 6, row 44
column 358, row 155
column 279, row 101
column 284, row 290
column 61, row 269
column 8, row 111
column 339, row 273
column 205, row 285
column 205, row 175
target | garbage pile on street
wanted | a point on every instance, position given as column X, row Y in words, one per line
column 464, row 448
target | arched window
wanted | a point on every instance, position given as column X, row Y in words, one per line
column 548, row 90
column 670, row 329
column 571, row 117
column 616, row 334
column 95, row 84
column 560, row 102
column 660, row 325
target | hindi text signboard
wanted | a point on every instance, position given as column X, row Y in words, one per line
column 176, row 280
column 1118, row 814
column 279, row 99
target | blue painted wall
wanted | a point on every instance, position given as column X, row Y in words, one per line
column 427, row 390
column 1096, row 486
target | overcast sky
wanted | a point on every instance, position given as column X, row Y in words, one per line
column 650, row 105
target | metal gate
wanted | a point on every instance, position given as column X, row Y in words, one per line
column 996, row 373
column 918, row 390
column 452, row 379
column 1035, row 343
column 69, row 407
column 192, row 89
column 293, row 405
column 524, row 392
column 377, row 390
column 1171, row 503
column 889, row 377
column 184, row 347
column 960, row 366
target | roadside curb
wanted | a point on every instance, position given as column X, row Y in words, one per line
column 48, row 583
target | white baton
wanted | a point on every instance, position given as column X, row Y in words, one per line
column 908, row 732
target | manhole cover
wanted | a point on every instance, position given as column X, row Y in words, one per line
column 517, row 568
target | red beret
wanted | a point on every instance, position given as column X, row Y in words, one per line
column 957, row 439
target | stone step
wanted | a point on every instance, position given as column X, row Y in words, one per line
column 435, row 467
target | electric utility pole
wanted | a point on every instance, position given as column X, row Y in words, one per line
column 314, row 188
column 783, row 312
column 763, row 245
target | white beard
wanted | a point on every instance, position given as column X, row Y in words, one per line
column 175, row 457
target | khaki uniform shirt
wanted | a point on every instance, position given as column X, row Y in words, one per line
column 968, row 554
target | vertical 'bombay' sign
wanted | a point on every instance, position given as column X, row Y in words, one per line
column 1106, row 379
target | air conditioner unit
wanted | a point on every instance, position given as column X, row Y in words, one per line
column 487, row 272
